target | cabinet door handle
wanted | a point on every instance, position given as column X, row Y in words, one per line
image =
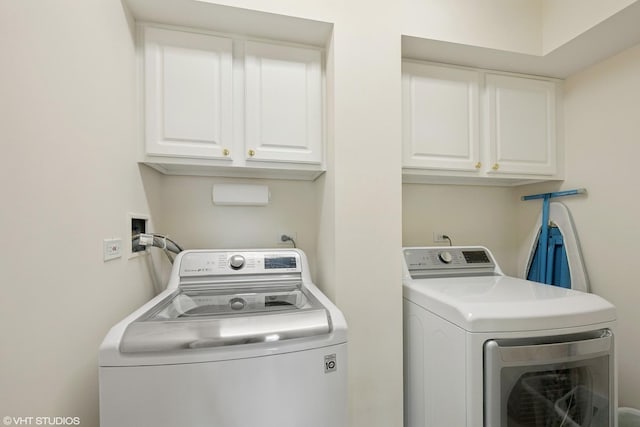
column 478, row 165
column 252, row 153
column 495, row 167
column 225, row 152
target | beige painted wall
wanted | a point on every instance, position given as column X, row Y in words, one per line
column 68, row 181
column 566, row 19
column 67, row 112
column 512, row 25
column 602, row 107
column 79, row 68
column 359, row 198
column 469, row 215
column 186, row 212
column 366, row 182
column 534, row 27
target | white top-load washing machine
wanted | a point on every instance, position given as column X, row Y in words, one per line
column 240, row 338
column 484, row 349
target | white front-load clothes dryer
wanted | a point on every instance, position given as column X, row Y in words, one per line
column 485, row 350
column 240, row 338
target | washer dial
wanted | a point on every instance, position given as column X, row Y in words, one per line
column 445, row 257
column 237, row 303
column 236, row 262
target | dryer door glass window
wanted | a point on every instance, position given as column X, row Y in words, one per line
column 557, row 384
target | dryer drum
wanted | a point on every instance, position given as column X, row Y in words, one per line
column 533, row 399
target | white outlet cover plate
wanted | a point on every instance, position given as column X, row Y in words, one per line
column 111, row 249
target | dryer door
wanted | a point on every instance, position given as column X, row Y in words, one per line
column 550, row 382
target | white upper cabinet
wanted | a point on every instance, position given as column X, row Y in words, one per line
column 472, row 126
column 440, row 117
column 223, row 106
column 283, row 100
column 521, row 124
column 188, row 94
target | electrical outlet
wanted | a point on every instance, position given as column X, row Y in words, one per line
column 291, row 234
column 438, row 237
column 111, row 249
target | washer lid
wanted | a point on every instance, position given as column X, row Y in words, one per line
column 505, row 304
column 190, row 319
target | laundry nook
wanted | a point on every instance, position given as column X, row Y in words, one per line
column 312, row 213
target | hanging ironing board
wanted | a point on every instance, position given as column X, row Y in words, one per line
column 555, row 257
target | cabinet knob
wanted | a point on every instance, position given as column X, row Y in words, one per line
column 478, row 165
column 252, row 153
column 225, row 152
column 495, row 167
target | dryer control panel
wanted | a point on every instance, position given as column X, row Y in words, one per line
column 449, row 261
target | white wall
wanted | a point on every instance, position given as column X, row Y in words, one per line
column 68, row 181
column 602, row 107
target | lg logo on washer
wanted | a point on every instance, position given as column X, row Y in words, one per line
column 330, row 364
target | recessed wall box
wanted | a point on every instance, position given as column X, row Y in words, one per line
column 139, row 224
column 240, row 195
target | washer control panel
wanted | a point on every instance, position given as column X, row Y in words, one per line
column 213, row 263
column 448, row 260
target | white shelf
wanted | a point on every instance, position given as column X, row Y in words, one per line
column 191, row 168
column 412, row 176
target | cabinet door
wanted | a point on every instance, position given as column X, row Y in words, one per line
column 440, row 117
column 521, row 125
column 188, row 86
column 283, row 103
